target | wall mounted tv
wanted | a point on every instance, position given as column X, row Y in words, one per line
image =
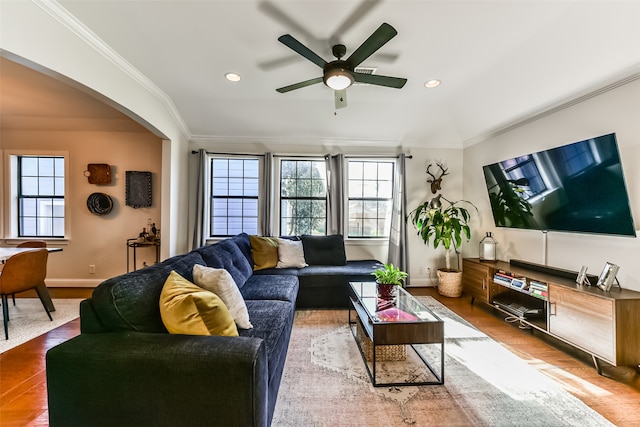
column 577, row 187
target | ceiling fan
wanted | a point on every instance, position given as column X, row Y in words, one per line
column 339, row 74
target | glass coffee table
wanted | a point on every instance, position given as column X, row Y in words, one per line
column 384, row 328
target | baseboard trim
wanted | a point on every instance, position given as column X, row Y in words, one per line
column 73, row 283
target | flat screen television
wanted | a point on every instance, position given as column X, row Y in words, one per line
column 578, row 187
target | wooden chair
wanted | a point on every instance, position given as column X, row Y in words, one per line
column 29, row 244
column 22, row 272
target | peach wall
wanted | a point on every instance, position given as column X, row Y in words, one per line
column 93, row 239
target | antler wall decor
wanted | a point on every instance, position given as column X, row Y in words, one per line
column 436, row 181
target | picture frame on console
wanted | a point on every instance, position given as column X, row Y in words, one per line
column 608, row 275
column 582, row 278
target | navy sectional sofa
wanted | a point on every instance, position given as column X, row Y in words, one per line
column 125, row 369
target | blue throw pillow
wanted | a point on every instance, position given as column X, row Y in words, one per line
column 324, row 250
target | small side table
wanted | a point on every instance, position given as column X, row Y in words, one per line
column 134, row 244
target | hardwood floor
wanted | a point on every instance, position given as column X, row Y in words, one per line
column 615, row 395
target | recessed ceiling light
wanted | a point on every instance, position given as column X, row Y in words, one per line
column 432, row 83
column 232, row 77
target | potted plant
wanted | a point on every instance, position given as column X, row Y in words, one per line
column 387, row 278
column 446, row 226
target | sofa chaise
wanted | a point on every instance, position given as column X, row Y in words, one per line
column 125, row 368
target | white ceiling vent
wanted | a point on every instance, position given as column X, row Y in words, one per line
column 364, row 70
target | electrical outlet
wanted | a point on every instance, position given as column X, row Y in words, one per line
column 92, row 269
column 421, row 270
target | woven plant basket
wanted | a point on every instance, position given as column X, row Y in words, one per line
column 450, row 283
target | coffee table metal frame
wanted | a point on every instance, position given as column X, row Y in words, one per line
column 427, row 329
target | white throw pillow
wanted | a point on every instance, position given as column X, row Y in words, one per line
column 220, row 282
column 290, row 254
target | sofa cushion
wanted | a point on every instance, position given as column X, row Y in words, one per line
column 324, row 250
column 226, row 254
column 290, row 271
column 328, row 286
column 273, row 323
column 290, row 254
column 220, row 282
column 244, row 244
column 271, row 287
column 188, row 309
column 362, row 269
column 130, row 301
column 264, row 251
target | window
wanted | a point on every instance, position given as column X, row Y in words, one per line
column 234, row 196
column 370, row 198
column 523, row 173
column 41, row 191
column 303, row 197
column 576, row 158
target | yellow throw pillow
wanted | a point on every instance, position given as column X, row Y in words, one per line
column 188, row 309
column 264, row 251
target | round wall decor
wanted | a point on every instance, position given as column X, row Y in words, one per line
column 99, row 203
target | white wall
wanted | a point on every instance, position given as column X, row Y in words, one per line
column 617, row 110
column 418, row 190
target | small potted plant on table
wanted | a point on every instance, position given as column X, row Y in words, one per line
column 387, row 278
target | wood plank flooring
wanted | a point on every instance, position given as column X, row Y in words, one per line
column 615, row 395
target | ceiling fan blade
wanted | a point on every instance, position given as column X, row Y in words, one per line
column 299, row 85
column 354, row 17
column 280, row 16
column 289, row 41
column 340, row 98
column 382, row 35
column 386, row 57
column 272, row 64
column 375, row 79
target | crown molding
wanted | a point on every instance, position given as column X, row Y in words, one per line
column 315, row 142
column 76, row 27
column 552, row 109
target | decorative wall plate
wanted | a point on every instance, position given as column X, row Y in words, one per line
column 138, row 189
column 99, row 203
column 98, row 173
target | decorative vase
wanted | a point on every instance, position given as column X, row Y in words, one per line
column 450, row 282
column 386, row 291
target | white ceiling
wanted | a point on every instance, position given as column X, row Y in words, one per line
column 499, row 62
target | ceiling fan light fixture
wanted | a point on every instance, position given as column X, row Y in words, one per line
column 338, row 78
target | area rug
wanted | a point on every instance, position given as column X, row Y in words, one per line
column 27, row 319
column 325, row 383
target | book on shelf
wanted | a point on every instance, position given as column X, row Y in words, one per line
column 538, row 293
column 503, row 273
column 502, row 280
column 538, row 285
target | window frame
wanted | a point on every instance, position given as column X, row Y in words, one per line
column 208, row 231
column 518, row 170
column 279, row 198
column 348, row 198
column 11, row 200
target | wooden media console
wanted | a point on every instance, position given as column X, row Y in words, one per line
column 606, row 325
